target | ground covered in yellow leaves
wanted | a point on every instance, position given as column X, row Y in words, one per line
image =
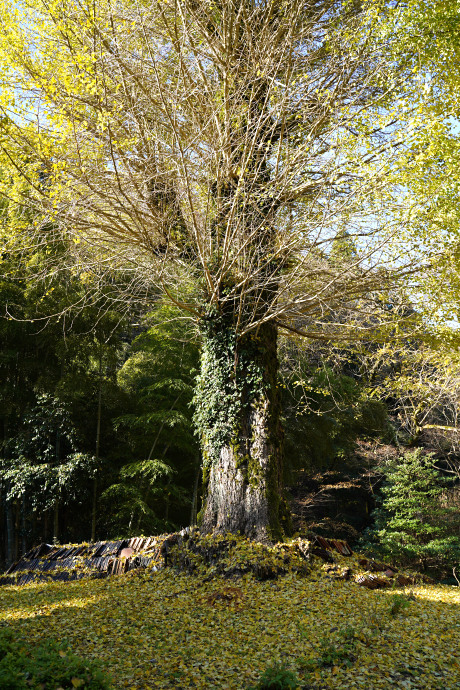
column 169, row 629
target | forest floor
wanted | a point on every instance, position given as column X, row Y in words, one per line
column 174, row 630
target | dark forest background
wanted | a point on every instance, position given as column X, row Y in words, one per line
column 98, row 442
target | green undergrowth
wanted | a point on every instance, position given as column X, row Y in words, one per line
column 45, row 665
column 277, row 677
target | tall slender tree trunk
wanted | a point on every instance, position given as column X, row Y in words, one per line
column 239, row 415
column 56, row 523
column 196, row 483
column 45, row 526
column 9, row 533
column 3, row 528
column 9, row 520
column 98, row 441
column 56, row 505
column 16, row 530
column 23, row 526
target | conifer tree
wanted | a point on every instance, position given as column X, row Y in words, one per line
column 412, row 524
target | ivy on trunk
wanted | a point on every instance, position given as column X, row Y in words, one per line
column 237, row 402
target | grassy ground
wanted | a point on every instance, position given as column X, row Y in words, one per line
column 171, row 630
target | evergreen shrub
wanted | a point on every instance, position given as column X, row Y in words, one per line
column 277, row 677
column 412, row 525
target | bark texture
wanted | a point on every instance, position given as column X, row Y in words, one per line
column 243, row 476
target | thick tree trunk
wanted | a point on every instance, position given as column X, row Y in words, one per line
column 241, row 434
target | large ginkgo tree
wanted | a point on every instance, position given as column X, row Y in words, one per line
column 237, row 157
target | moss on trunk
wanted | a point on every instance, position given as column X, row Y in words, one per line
column 238, row 417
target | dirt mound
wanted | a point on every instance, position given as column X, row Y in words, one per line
column 229, row 556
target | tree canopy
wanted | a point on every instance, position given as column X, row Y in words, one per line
column 219, row 146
